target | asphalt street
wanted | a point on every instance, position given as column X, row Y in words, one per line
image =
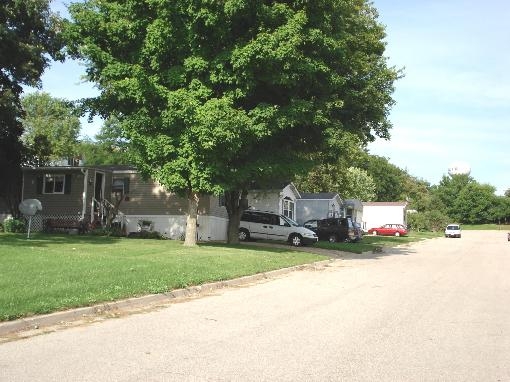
column 438, row 310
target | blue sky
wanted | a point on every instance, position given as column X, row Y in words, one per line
column 453, row 103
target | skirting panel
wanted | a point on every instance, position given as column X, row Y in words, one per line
column 210, row 228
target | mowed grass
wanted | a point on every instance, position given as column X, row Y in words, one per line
column 53, row 272
column 485, row 227
column 370, row 243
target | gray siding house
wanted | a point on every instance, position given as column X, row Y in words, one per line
column 354, row 209
column 279, row 199
column 288, row 201
column 319, row 206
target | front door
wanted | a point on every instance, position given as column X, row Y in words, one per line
column 99, row 187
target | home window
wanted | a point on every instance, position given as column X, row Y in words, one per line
column 288, row 208
column 54, row 184
column 118, row 186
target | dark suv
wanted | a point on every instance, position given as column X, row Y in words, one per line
column 333, row 229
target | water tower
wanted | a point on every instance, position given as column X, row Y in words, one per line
column 459, row 168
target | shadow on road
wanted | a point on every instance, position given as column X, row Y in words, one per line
column 336, row 254
column 384, row 252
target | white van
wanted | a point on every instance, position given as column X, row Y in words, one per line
column 452, row 230
column 271, row 226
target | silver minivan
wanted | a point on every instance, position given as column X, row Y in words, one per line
column 272, row 226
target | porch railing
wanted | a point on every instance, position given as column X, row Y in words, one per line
column 102, row 210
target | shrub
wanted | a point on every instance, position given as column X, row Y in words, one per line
column 14, row 225
column 113, row 231
column 146, row 235
column 427, row 221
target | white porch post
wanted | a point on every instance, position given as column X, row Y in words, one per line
column 84, row 194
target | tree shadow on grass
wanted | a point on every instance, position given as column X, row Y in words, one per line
column 277, row 247
column 42, row 240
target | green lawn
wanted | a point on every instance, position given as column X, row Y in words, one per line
column 486, row 227
column 369, row 242
column 53, row 272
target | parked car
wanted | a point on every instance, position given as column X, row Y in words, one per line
column 266, row 225
column 389, row 230
column 332, row 229
column 452, row 230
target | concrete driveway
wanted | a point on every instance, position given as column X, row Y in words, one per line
column 437, row 310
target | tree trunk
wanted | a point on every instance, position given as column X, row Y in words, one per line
column 236, row 202
column 191, row 221
column 12, row 196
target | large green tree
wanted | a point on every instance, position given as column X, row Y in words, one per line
column 500, row 210
column 331, row 173
column 417, row 192
column 28, row 41
column 50, row 128
column 214, row 95
column 359, row 185
column 474, row 204
column 467, row 201
column 389, row 179
column 446, row 192
column 108, row 146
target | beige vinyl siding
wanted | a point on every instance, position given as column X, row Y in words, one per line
column 150, row 198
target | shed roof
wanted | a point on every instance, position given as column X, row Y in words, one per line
column 108, row 167
column 385, row 204
column 318, row 195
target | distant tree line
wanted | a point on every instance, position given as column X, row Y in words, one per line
column 457, row 198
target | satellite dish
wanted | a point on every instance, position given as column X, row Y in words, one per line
column 29, row 207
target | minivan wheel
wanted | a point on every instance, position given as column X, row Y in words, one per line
column 296, row 240
column 244, row 234
column 332, row 239
column 374, row 233
column 397, row 234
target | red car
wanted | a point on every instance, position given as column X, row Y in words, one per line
column 389, row 230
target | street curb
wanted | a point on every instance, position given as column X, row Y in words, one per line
column 137, row 304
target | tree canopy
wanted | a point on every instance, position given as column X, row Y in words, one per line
column 465, row 200
column 50, row 128
column 108, row 146
column 214, row 95
column 29, row 39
